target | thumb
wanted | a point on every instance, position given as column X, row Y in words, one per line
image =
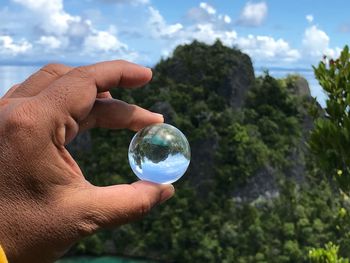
column 113, row 206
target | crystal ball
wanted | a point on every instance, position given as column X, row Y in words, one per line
column 159, row 153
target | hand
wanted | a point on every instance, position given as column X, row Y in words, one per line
column 46, row 205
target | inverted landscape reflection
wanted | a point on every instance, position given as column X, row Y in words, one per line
column 172, row 168
column 159, row 153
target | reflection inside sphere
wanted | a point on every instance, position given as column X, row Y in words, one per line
column 159, row 153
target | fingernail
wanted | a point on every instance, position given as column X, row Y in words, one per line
column 167, row 193
column 158, row 115
column 151, row 73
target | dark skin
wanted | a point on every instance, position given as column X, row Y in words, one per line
column 46, row 205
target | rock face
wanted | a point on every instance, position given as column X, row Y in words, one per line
column 201, row 168
column 218, row 72
column 262, row 185
column 300, row 87
column 227, row 71
column 236, row 84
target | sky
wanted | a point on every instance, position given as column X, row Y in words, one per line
column 275, row 33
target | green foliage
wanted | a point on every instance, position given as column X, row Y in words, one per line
column 235, row 145
column 274, row 111
column 330, row 140
column 329, row 254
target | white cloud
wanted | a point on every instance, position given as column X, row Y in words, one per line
column 103, row 41
column 61, row 30
column 316, row 43
column 9, row 47
column 49, row 42
column 198, row 14
column 158, row 26
column 133, row 2
column 310, row 18
column 208, row 8
column 268, row 48
column 206, row 13
column 54, row 19
column 253, row 14
column 208, row 34
column 208, row 29
column 261, row 48
column 227, row 19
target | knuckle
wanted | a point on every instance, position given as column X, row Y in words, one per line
column 132, row 107
column 145, row 206
column 131, row 121
column 14, row 87
column 10, row 91
column 20, row 118
column 84, row 72
column 54, row 69
column 91, row 220
column 122, row 61
column 86, row 227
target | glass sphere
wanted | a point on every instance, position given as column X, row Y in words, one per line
column 159, row 153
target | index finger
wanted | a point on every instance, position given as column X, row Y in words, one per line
column 110, row 74
column 77, row 89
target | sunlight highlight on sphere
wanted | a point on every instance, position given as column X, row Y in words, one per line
column 159, row 153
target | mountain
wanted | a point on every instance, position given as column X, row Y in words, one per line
column 253, row 192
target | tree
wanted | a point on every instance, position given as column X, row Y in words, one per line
column 329, row 254
column 330, row 140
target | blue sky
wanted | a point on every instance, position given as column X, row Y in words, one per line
column 275, row 33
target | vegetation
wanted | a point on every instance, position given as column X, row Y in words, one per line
column 329, row 254
column 331, row 138
column 253, row 192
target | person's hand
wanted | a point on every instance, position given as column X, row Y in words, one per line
column 46, row 205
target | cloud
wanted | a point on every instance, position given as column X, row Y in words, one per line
column 208, row 8
column 208, row 34
column 253, row 14
column 159, row 28
column 103, row 41
column 207, row 28
column 132, row 2
column 50, row 42
column 205, row 13
column 316, row 43
column 9, row 47
column 263, row 48
column 205, row 31
column 310, row 18
column 12, row 21
column 72, row 35
column 227, row 19
column 54, row 19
